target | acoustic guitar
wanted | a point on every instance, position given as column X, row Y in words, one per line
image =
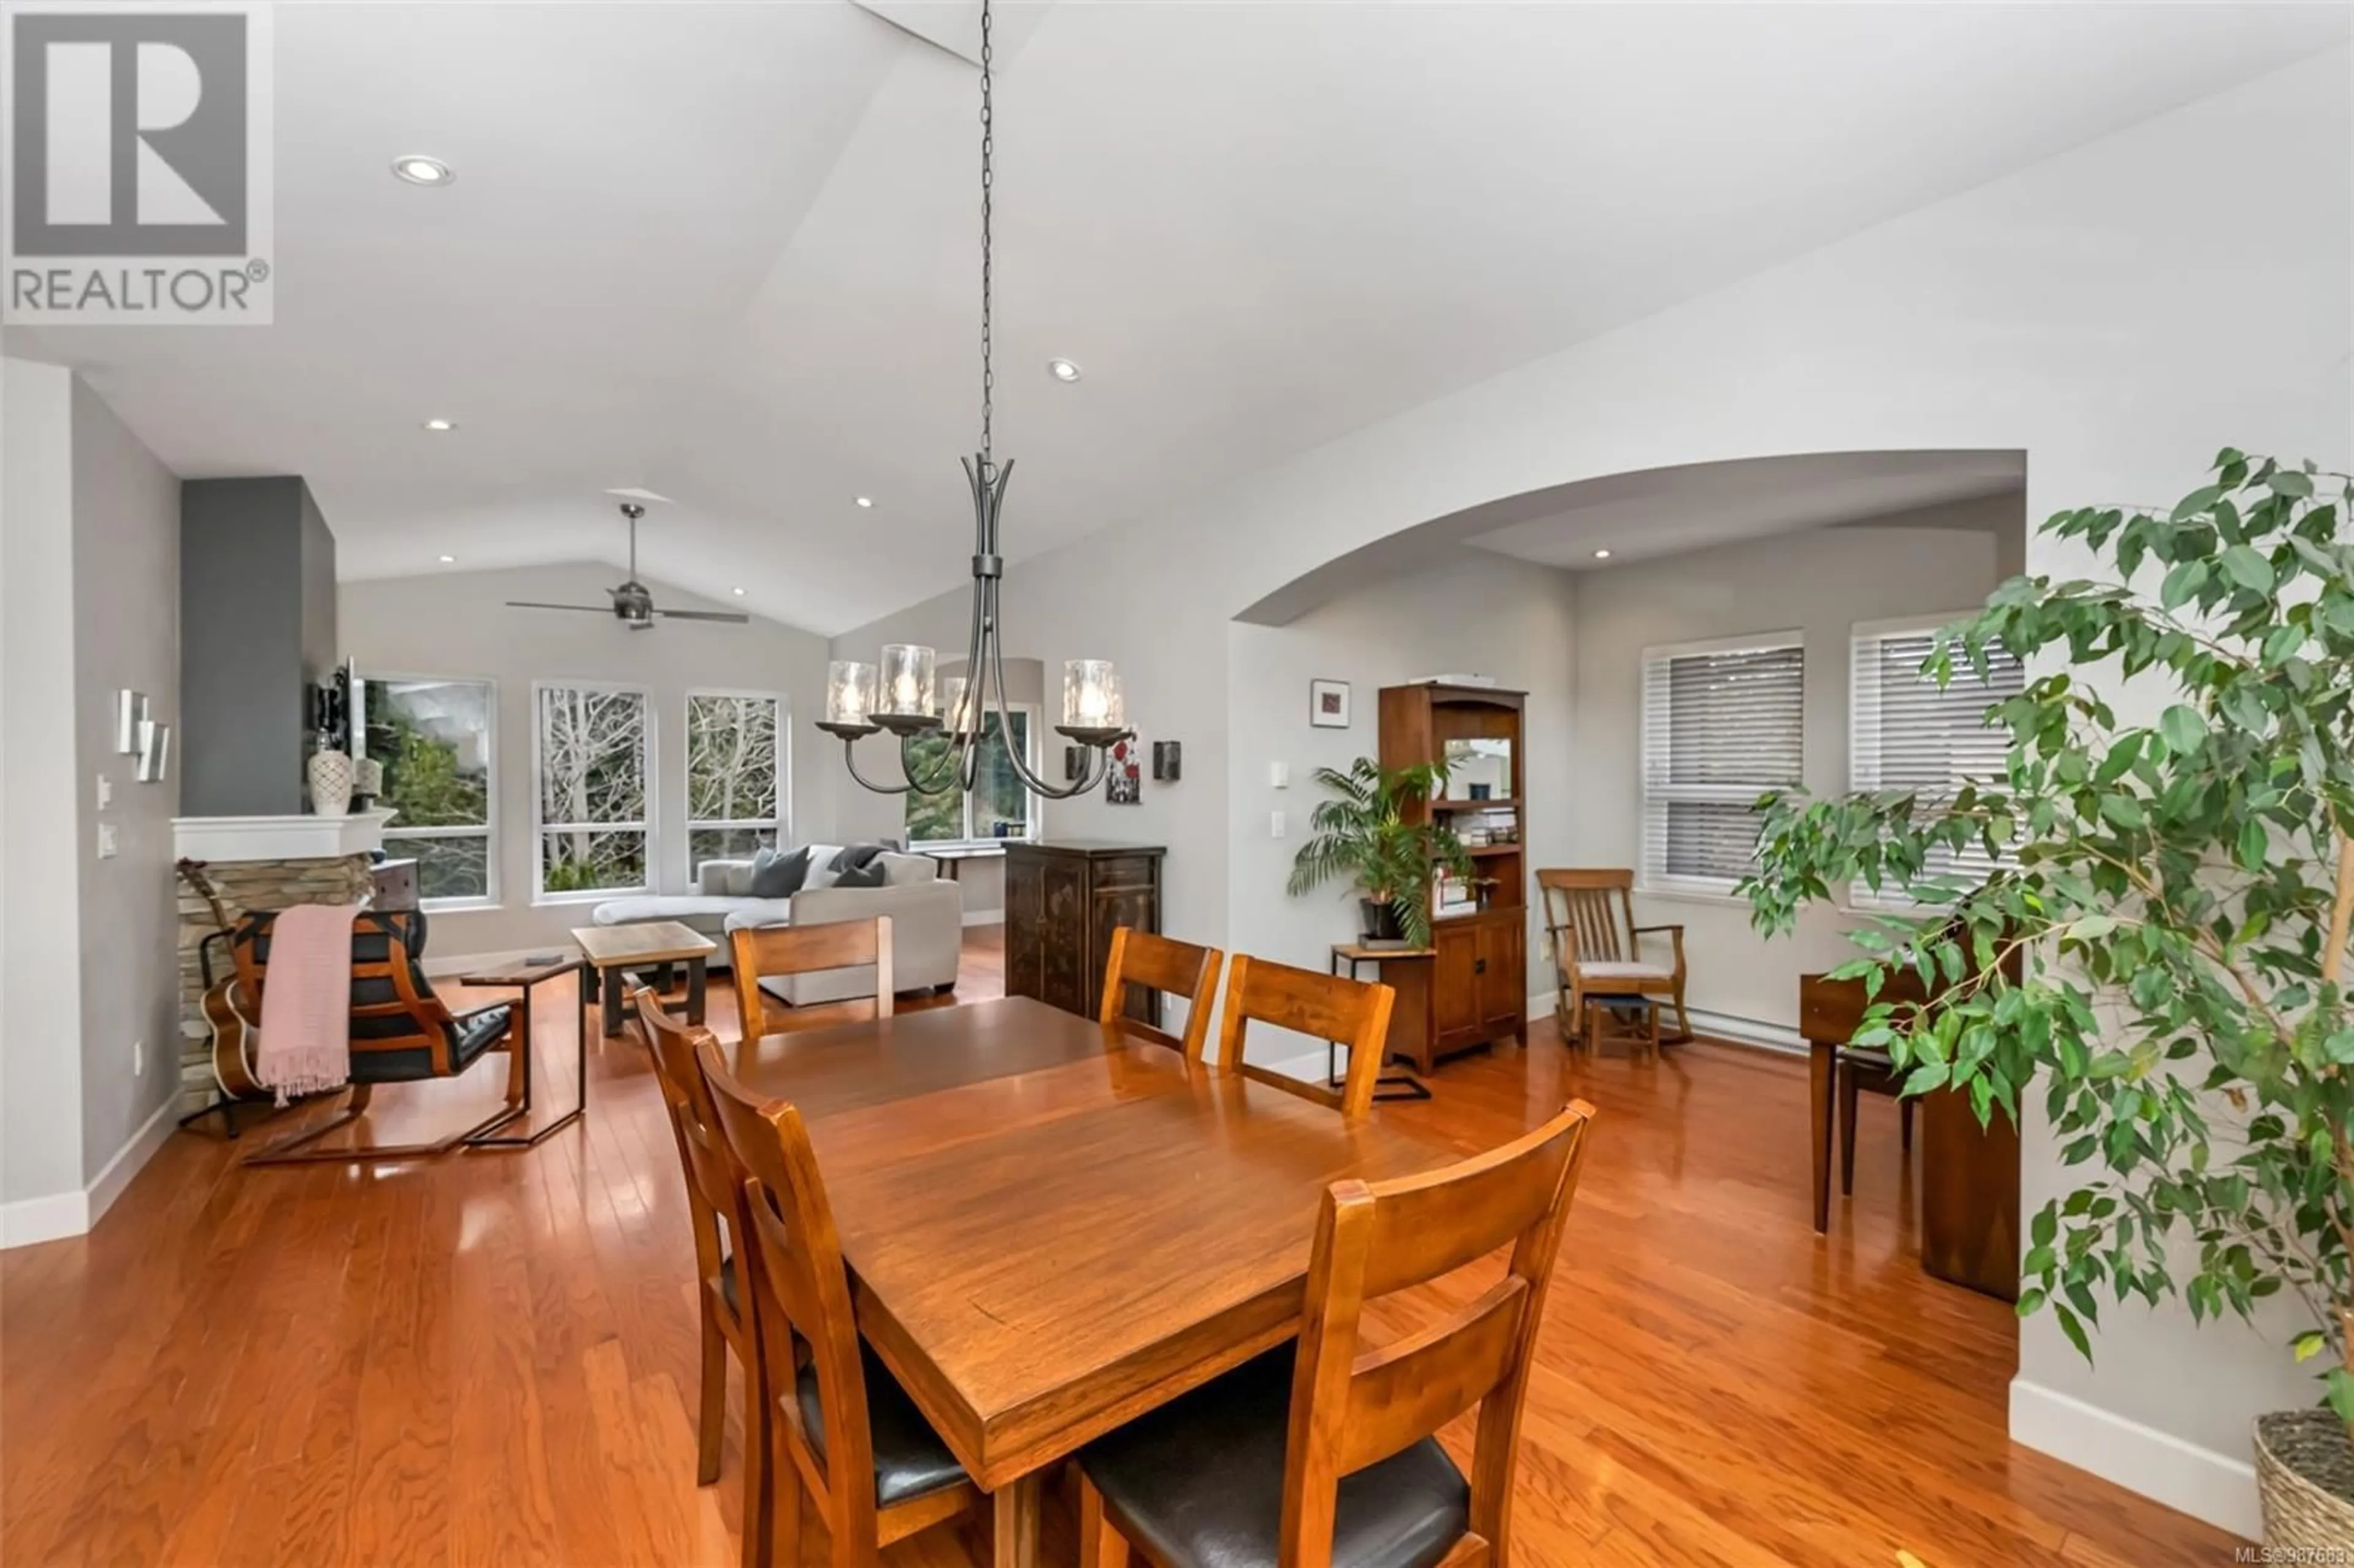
column 228, row 1012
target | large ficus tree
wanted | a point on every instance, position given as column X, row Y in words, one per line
column 2182, row 886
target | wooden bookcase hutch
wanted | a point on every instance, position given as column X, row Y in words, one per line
column 1479, row 987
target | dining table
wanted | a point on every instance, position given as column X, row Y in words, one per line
column 1052, row 1227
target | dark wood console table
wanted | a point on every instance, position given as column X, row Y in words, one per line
column 1064, row 899
column 1969, row 1174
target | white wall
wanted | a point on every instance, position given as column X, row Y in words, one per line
column 126, row 635
column 1475, row 612
column 90, row 535
column 1819, row 584
column 41, row 838
column 457, row 624
column 2087, row 310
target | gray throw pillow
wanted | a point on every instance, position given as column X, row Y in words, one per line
column 778, row 876
column 871, row 874
column 857, row 857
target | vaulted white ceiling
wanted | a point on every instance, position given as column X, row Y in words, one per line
column 727, row 252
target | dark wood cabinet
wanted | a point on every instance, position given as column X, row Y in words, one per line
column 1063, row 901
column 1478, row 974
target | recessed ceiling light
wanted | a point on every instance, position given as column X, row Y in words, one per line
column 448, row 560
column 1062, row 370
column 419, row 170
column 739, row 593
column 1601, row 555
column 866, row 500
column 439, row 427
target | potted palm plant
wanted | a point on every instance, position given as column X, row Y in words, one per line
column 1363, row 833
column 2186, row 885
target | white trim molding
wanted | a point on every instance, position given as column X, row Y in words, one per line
column 2201, row 1482
column 227, row 839
column 30, row 1221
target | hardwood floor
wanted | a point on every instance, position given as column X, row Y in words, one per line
column 492, row 1357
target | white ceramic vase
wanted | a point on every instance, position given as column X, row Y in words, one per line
column 331, row 783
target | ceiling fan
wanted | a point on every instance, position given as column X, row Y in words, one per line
column 633, row 602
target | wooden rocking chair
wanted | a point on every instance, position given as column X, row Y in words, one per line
column 1597, row 959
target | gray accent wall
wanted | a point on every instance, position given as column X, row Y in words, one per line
column 126, row 635
column 258, row 622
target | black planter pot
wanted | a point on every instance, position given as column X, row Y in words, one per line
column 1380, row 921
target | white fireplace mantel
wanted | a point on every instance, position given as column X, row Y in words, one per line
column 227, row 839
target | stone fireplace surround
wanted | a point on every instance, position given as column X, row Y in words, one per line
column 259, row 863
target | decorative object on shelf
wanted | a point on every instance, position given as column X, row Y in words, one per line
column 633, row 603
column 2196, row 903
column 1168, row 761
column 154, row 751
column 1328, row 705
column 331, row 783
column 330, row 714
column 1365, row 834
column 902, row 701
column 367, row 782
column 1123, row 784
column 130, row 708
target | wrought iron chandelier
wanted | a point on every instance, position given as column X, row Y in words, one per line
column 905, row 696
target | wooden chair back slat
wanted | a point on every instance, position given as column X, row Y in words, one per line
column 1404, row 1392
column 756, row 953
column 1350, row 1408
column 1354, row 1013
column 714, row 1178
column 1596, row 906
column 1173, row 968
column 412, row 998
column 803, row 1289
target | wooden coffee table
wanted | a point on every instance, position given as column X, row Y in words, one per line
column 614, row 950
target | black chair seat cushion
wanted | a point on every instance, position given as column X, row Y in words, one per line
column 727, row 1285
column 1199, row 1482
column 469, row 1037
column 909, row 1458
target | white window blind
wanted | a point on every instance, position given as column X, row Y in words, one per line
column 1722, row 724
column 1906, row 733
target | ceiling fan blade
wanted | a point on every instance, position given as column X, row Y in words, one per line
column 726, row 615
column 535, row 604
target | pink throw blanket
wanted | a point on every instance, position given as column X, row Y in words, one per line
column 306, row 1002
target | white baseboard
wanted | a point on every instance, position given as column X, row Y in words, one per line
column 985, row 917
column 61, row 1214
column 2199, row 1481
column 1716, row 1025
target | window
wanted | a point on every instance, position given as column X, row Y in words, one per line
column 1722, row 724
column 591, row 749
column 734, row 776
column 435, row 741
column 999, row 805
column 1906, row 733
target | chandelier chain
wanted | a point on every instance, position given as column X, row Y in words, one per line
column 988, row 260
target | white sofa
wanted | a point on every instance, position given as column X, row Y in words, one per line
column 927, row 913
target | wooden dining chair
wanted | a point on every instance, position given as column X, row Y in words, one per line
column 1140, row 959
column 840, row 1426
column 715, row 1198
column 1349, row 1013
column 756, row 953
column 1599, row 959
column 1322, row 1455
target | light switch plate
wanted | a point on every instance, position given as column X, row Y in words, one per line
column 1278, row 774
column 105, row 791
column 106, row 841
column 1275, row 823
